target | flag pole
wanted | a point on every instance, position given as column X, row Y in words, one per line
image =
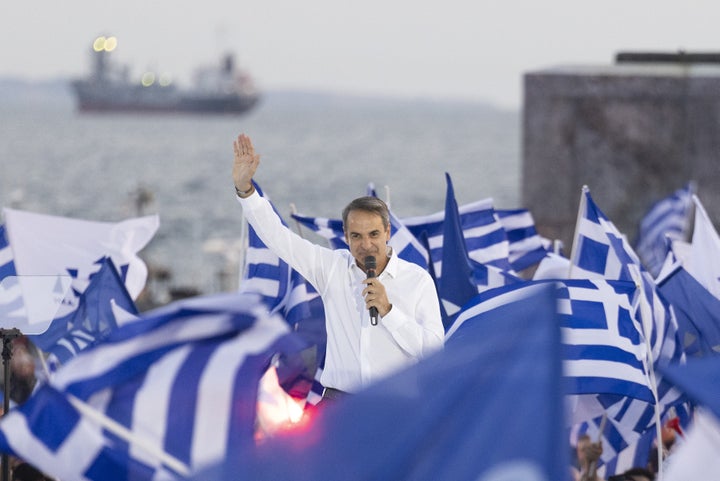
column 581, row 211
column 646, row 312
column 387, row 195
column 127, row 435
column 114, row 427
column 690, row 214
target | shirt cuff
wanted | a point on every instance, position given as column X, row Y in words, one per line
column 393, row 320
column 250, row 200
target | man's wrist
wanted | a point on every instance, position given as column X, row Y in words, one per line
column 244, row 193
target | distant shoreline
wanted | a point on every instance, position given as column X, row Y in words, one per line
column 17, row 91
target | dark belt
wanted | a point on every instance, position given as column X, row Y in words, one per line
column 333, row 394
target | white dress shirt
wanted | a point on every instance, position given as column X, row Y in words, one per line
column 358, row 353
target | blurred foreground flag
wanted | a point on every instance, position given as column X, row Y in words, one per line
column 50, row 245
column 666, row 220
column 486, row 408
column 93, row 320
column 158, row 398
column 702, row 259
column 697, row 458
column 697, row 312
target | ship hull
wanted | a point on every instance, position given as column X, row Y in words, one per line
column 103, row 97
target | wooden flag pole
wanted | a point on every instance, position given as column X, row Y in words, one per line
column 127, row 435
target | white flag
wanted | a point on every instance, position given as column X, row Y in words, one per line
column 52, row 245
column 697, row 457
column 703, row 261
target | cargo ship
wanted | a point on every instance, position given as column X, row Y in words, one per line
column 219, row 90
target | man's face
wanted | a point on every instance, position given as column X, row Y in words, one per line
column 367, row 236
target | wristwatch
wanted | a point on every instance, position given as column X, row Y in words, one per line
column 240, row 193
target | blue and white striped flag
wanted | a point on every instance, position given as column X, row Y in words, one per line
column 702, row 257
column 7, row 266
column 697, row 311
column 460, row 278
column 330, row 229
column 158, row 399
column 304, row 311
column 601, row 251
column 285, row 291
column 11, row 300
column 603, row 349
column 93, row 320
column 485, row 237
column 264, row 273
column 666, row 220
column 444, row 423
column 527, row 247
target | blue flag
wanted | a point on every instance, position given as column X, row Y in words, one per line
column 602, row 345
column 666, row 220
column 7, row 266
column 485, row 236
column 699, row 379
column 455, row 285
column 264, row 273
column 527, row 247
column 158, row 399
column 487, row 407
column 600, row 250
column 94, row 318
column 697, row 311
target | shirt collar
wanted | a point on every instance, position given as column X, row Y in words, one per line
column 391, row 268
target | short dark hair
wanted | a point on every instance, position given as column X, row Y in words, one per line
column 370, row 204
column 638, row 471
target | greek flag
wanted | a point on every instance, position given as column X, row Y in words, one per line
column 158, row 399
column 264, row 273
column 702, row 258
column 603, row 348
column 330, row 229
column 51, row 245
column 92, row 321
column 485, row 236
column 527, row 247
column 7, row 266
column 12, row 309
column 666, row 220
column 601, row 251
column 478, row 436
column 304, row 311
column 460, row 278
column 618, row 454
column 697, row 311
column 285, row 291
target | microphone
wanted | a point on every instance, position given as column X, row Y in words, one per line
column 370, row 266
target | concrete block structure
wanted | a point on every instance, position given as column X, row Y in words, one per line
column 633, row 132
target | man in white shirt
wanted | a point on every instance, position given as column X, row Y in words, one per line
column 358, row 353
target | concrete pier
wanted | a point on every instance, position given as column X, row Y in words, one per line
column 633, row 132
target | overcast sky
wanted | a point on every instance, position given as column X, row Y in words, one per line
column 467, row 49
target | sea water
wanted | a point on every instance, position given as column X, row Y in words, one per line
column 317, row 153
